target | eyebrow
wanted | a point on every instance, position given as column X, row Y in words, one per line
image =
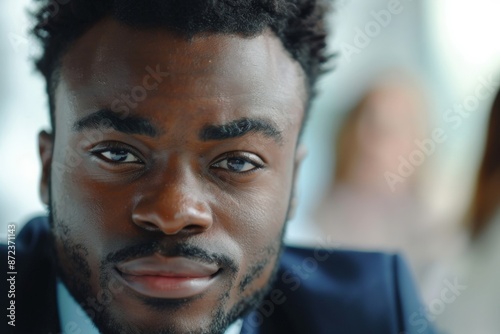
column 106, row 118
column 239, row 128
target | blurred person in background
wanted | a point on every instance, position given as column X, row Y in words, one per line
column 367, row 208
column 477, row 308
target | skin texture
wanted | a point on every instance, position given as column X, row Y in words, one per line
column 179, row 187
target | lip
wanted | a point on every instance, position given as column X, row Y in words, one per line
column 167, row 277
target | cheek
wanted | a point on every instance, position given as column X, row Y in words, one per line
column 90, row 210
column 255, row 218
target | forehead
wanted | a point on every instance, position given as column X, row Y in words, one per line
column 209, row 74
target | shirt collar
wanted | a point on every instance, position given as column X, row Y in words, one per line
column 74, row 319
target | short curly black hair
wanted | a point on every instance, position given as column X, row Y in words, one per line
column 300, row 25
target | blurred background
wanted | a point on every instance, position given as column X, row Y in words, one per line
column 396, row 138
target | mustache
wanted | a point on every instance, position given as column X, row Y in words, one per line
column 168, row 250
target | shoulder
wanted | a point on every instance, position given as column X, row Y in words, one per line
column 342, row 264
column 332, row 268
column 321, row 289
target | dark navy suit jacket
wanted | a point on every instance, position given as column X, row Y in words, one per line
column 317, row 291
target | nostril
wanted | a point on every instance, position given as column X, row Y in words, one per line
column 194, row 228
column 149, row 226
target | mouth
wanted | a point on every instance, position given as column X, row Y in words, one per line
column 167, row 277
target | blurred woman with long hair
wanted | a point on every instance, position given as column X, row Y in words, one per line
column 362, row 210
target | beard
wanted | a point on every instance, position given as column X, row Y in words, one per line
column 77, row 274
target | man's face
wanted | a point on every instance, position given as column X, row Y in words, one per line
column 170, row 175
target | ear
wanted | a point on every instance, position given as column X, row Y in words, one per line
column 300, row 154
column 45, row 150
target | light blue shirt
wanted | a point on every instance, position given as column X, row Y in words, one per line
column 75, row 321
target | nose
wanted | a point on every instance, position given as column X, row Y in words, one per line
column 173, row 207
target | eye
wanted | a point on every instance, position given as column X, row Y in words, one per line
column 117, row 155
column 237, row 164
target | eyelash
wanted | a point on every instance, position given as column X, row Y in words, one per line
column 110, row 147
column 242, row 156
